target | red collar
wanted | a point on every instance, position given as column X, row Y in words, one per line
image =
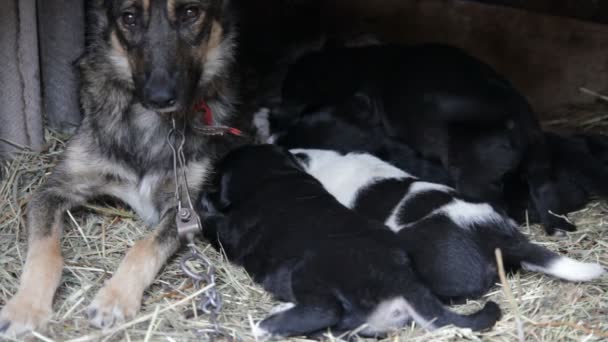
column 203, row 108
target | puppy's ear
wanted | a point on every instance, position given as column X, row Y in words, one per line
column 211, row 203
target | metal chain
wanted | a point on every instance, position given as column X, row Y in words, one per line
column 188, row 225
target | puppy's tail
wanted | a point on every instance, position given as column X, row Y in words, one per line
column 428, row 311
column 532, row 257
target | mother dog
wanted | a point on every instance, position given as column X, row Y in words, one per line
column 147, row 61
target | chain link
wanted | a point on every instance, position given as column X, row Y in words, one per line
column 188, row 225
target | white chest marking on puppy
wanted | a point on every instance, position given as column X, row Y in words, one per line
column 344, row 175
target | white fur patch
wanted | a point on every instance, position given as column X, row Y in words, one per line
column 197, row 173
column 218, row 59
column 121, row 64
column 117, row 57
column 392, row 222
column 415, row 189
column 262, row 124
column 140, row 197
column 466, row 214
column 393, row 314
column 420, row 187
column 259, row 333
column 344, row 175
column 568, row 269
column 281, row 308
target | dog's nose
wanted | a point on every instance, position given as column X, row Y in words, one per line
column 160, row 91
column 162, row 98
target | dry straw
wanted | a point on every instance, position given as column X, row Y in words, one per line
column 96, row 238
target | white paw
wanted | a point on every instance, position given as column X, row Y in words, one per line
column 260, row 333
column 112, row 306
column 22, row 315
column 281, row 308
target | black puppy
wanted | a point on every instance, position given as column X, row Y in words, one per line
column 579, row 160
column 450, row 240
column 339, row 270
column 446, row 105
column 338, row 128
column 579, row 170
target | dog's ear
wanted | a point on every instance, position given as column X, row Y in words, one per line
column 96, row 20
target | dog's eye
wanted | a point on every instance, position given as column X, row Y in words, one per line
column 190, row 13
column 129, row 19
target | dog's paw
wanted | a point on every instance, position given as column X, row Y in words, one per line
column 22, row 315
column 112, row 306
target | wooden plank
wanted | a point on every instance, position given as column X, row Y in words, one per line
column 588, row 10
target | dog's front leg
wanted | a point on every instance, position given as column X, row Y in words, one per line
column 31, row 307
column 121, row 296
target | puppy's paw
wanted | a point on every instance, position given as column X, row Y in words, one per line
column 558, row 226
column 22, row 315
column 260, row 333
column 112, row 306
column 281, row 308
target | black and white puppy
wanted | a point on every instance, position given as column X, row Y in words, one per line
column 447, row 105
column 339, row 270
column 338, row 128
column 450, row 240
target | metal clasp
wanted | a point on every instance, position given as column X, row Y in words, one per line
column 188, row 224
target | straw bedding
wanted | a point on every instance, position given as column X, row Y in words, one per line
column 97, row 236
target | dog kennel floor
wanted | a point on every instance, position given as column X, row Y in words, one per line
column 96, row 238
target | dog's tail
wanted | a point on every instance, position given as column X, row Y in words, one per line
column 532, row 257
column 430, row 313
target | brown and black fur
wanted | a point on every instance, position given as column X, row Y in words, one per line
column 146, row 61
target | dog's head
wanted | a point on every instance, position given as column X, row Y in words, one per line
column 166, row 51
column 481, row 160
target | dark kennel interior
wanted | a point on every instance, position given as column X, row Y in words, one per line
column 549, row 49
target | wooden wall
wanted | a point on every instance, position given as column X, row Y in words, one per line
column 588, row 10
column 548, row 57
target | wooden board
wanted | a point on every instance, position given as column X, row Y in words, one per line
column 588, row 10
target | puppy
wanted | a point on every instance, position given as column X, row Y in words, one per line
column 443, row 103
column 579, row 171
column 338, row 128
column 450, row 240
column 339, row 270
column 579, row 159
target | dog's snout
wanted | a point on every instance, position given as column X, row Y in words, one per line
column 160, row 91
column 162, row 97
